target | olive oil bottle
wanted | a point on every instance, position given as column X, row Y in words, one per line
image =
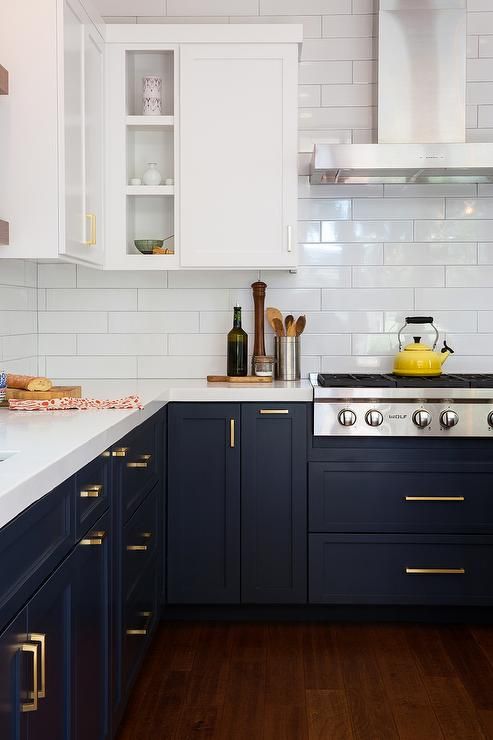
column 237, row 347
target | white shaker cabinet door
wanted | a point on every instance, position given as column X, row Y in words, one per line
column 237, row 168
column 83, row 119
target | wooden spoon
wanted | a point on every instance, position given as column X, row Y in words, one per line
column 278, row 327
column 300, row 325
column 273, row 313
column 288, row 322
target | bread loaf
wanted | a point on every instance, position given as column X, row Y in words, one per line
column 28, row 382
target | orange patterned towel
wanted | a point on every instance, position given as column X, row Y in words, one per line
column 63, row 404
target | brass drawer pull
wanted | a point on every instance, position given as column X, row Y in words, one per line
column 274, row 411
column 137, row 548
column 91, row 491
column 106, row 453
column 231, row 433
column 142, row 463
column 144, row 630
column 435, row 571
column 31, row 706
column 92, row 237
column 94, row 538
column 120, row 452
column 434, row 498
column 37, row 637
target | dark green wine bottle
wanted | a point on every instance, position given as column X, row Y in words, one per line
column 237, row 347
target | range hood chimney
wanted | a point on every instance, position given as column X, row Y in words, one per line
column 421, row 104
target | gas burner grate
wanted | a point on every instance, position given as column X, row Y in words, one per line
column 377, row 380
column 349, row 380
column 438, row 381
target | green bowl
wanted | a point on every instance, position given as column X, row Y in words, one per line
column 145, row 246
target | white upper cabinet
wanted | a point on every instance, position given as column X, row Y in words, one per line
column 238, row 185
column 51, row 130
column 226, row 142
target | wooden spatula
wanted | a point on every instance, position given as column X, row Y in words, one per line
column 300, row 325
column 278, row 327
column 288, row 323
column 273, row 313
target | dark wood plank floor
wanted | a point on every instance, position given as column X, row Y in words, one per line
column 314, row 682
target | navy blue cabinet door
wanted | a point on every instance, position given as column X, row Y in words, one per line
column 273, row 508
column 203, row 503
column 91, row 639
column 16, row 678
column 49, row 627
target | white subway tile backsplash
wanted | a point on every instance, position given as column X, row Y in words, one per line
column 340, row 254
column 485, row 253
column 334, row 117
column 91, row 300
column 210, row 7
column 472, row 48
column 115, row 8
column 478, row 5
column 481, row 135
column 153, row 322
column 445, row 321
column 171, row 20
column 58, row 276
column 448, row 299
column 121, row 344
column 199, row 299
column 485, row 46
column 313, row 209
column 305, row 190
column 485, row 321
column 346, row 26
column 17, row 322
column 309, row 96
column 453, row 230
column 220, row 322
column 374, row 344
column 344, row 322
column 326, row 344
column 470, row 208
column 479, row 70
column 57, row 344
column 365, row 6
column 349, row 95
column 180, row 367
column 368, row 299
column 480, row 23
column 450, row 190
column 212, row 278
column 198, row 344
column 306, row 7
column 309, row 231
column 309, row 277
column 485, row 116
column 312, row 24
column 307, row 140
column 471, row 344
column 17, row 347
column 72, row 321
column 17, row 298
column 89, row 278
column 318, row 73
column 398, row 276
column 338, row 49
column 416, row 253
column 365, row 72
column 365, row 231
column 91, row 367
column 398, row 208
column 470, row 276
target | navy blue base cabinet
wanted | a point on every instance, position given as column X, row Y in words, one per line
column 273, row 503
column 203, row 503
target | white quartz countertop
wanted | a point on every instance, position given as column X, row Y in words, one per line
column 49, row 447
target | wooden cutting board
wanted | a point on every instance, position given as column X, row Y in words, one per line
column 58, row 391
column 244, row 379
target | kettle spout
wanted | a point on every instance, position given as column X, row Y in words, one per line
column 445, row 353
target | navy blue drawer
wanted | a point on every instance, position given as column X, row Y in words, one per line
column 140, row 539
column 386, row 569
column 378, row 497
column 140, row 619
column 32, row 546
column 92, row 493
column 138, row 458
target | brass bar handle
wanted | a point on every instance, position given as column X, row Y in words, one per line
column 120, row 452
column 142, row 463
column 106, row 453
column 38, row 637
column 94, row 538
column 435, row 571
column 143, row 631
column 31, row 706
column 290, row 238
column 274, row 411
column 92, row 238
column 231, row 433
column 91, row 491
column 434, row 498
column 137, row 548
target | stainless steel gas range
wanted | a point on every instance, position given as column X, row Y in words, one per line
column 366, row 405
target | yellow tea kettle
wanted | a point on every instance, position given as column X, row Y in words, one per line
column 418, row 358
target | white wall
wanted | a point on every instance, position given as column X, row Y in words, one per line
column 18, row 320
column 369, row 255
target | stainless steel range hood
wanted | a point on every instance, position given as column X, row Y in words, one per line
column 421, row 104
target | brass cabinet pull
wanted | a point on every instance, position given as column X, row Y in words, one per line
column 434, row 498
column 31, row 706
column 92, row 237
column 91, row 491
column 37, row 637
column 142, row 632
column 232, row 433
column 94, row 538
column 106, row 453
column 142, row 463
column 146, row 535
column 120, row 452
column 137, row 548
column 274, row 411
column 435, row 571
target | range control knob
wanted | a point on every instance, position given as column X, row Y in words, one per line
column 347, row 418
column 422, row 418
column 449, row 419
column 490, row 419
column 374, row 418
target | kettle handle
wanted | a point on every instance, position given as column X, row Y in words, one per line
column 418, row 320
